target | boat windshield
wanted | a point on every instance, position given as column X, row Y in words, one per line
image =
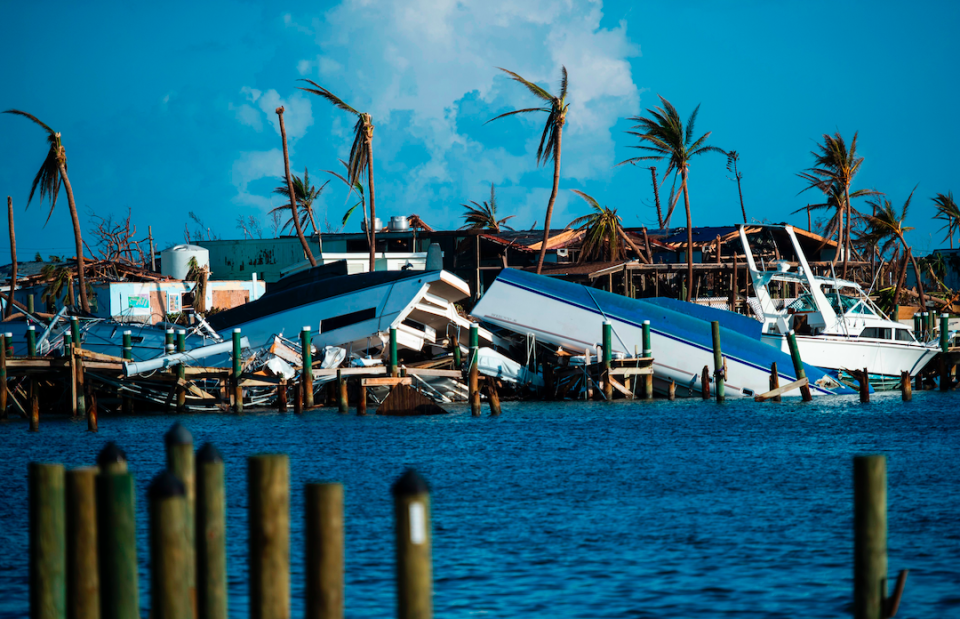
column 841, row 304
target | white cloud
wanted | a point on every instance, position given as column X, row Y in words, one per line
column 252, row 166
column 411, row 64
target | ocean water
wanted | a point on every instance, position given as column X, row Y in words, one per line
column 625, row 509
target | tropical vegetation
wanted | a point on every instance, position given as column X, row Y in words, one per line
column 602, row 232
column 291, row 193
column 947, row 211
column 886, row 229
column 483, row 216
column 306, row 194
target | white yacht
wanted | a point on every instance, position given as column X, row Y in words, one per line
column 838, row 328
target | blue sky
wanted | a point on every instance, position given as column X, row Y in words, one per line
column 168, row 109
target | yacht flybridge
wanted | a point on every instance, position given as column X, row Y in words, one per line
column 838, row 328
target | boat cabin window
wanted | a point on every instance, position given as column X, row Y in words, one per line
column 338, row 322
column 904, row 335
column 804, row 303
column 880, row 333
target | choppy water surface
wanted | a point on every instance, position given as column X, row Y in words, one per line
column 682, row 509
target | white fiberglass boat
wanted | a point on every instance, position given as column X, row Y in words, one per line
column 838, row 328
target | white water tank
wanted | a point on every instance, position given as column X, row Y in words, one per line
column 175, row 261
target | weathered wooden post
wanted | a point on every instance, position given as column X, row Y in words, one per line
column 798, row 365
column 181, row 372
column 411, row 500
column 269, row 520
column 705, row 382
column 647, row 353
column 869, row 536
column 211, row 534
column 672, row 391
column 298, row 398
column 457, row 360
column 607, row 359
column 774, row 381
column 237, row 371
column 906, row 386
column 169, row 556
column 343, row 401
column 30, row 303
column 864, row 380
column 361, row 398
column 179, row 445
column 117, row 542
column 77, row 361
column 33, row 389
column 324, row 551
column 282, row 396
column 719, row 367
column 306, row 374
column 925, row 319
column 493, row 396
column 83, row 580
column 474, row 377
column 127, row 354
column 394, row 366
column 945, row 353
column 48, row 584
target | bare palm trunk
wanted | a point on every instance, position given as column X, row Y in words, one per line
column 553, row 198
column 740, row 191
column 846, row 250
column 839, row 250
column 656, row 195
column 809, row 220
column 373, row 207
column 686, row 204
column 81, row 277
column 901, row 276
column 293, row 196
column 13, row 257
column 916, row 271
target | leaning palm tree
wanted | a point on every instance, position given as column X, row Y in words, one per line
column 603, row 231
column 483, row 216
column 663, row 135
column 887, row 229
column 13, row 258
column 52, row 173
column 834, row 205
column 361, row 203
column 550, row 141
column 835, row 166
column 306, row 195
column 733, row 160
column 291, row 193
column 361, row 155
column 948, row 211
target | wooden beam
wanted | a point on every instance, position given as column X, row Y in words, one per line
column 803, row 382
column 631, row 371
column 433, row 372
column 377, row 369
column 386, row 381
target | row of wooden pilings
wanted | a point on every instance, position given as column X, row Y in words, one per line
column 83, row 554
column 83, row 550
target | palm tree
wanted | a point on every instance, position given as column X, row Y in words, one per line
column 53, row 172
column 835, row 167
column 13, row 258
column 887, row 229
column 662, row 133
column 59, row 279
column 733, row 158
column 948, row 211
column 836, row 198
column 361, row 156
column 602, row 231
column 484, row 216
column 291, row 192
column 550, row 140
column 362, row 203
column 306, row 194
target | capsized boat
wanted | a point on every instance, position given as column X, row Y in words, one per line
column 357, row 311
column 838, row 328
column 571, row 316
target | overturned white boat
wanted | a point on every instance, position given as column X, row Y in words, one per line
column 838, row 328
column 356, row 312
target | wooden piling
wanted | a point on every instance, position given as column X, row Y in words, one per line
column 919, row 381
column 705, row 382
column 361, row 399
column 869, row 536
column 774, row 381
column 493, row 396
column 83, row 580
column 48, row 586
column 798, row 365
column 117, row 545
column 298, row 398
column 268, row 486
column 282, row 396
column 906, row 386
column 237, row 370
column 474, row 381
column 181, row 372
column 211, row 534
column 672, row 391
column 324, row 551
column 719, row 367
column 864, row 380
column 394, row 367
column 607, row 359
column 179, row 446
column 343, row 402
column 169, row 549
column 306, row 374
column 945, row 380
column 411, row 498
column 30, row 303
column 79, row 380
column 457, row 360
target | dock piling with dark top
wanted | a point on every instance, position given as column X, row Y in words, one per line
column 864, row 380
column 211, row 534
column 705, row 382
column 306, row 374
column 607, row 359
column 774, row 381
column 474, row 378
column 411, row 500
column 237, row 370
column 798, row 365
column 906, row 386
column 268, row 485
column 493, row 396
column 83, row 581
column 361, row 399
column 282, row 396
column 719, row 367
column 343, row 401
column 117, row 543
column 169, row 549
column 869, row 536
column 324, row 551
column 179, row 446
column 48, row 583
